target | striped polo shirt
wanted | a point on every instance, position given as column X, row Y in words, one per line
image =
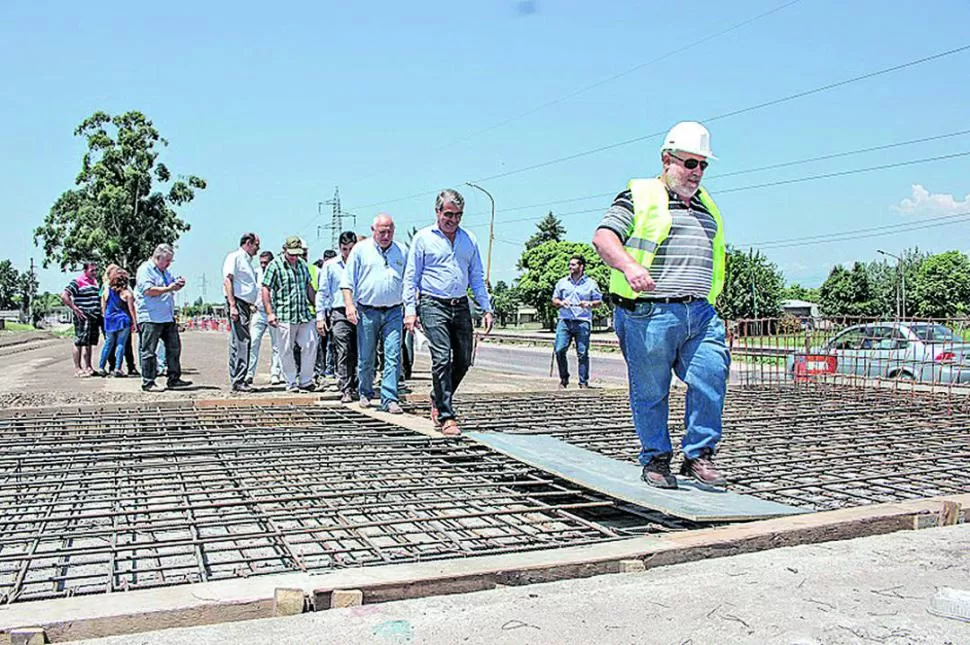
column 85, row 294
column 684, row 262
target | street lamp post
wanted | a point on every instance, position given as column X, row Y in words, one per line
column 491, row 234
column 901, row 306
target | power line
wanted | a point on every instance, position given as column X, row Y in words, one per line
column 745, row 110
column 598, row 83
column 782, row 182
column 785, row 164
column 838, row 236
column 784, row 99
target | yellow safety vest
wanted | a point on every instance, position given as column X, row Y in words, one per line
column 314, row 276
column 651, row 226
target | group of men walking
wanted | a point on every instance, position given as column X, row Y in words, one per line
column 362, row 302
column 663, row 239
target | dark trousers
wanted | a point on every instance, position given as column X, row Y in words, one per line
column 149, row 335
column 240, row 343
column 345, row 346
column 320, row 367
column 449, row 331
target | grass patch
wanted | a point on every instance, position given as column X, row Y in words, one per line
column 13, row 325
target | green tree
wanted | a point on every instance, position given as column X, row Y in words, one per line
column 942, row 286
column 27, row 287
column 9, row 285
column 505, row 302
column 752, row 286
column 115, row 214
column 795, row 291
column 542, row 267
column 550, row 229
column 850, row 293
column 886, row 277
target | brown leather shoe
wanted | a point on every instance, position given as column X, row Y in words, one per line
column 657, row 472
column 703, row 470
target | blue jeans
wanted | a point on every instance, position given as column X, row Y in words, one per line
column 114, row 343
column 566, row 330
column 383, row 325
column 689, row 338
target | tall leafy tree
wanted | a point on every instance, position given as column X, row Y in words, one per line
column 550, row 229
column 850, row 293
column 9, row 285
column 505, row 302
column 752, row 286
column 124, row 201
column 942, row 285
column 543, row 265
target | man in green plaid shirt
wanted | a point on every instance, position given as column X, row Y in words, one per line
column 287, row 292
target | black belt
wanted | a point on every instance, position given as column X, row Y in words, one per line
column 629, row 304
column 387, row 308
column 451, row 302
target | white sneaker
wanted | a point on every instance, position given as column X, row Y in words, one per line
column 276, row 380
column 365, row 402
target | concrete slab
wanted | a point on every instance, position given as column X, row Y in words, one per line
column 621, row 480
column 878, row 593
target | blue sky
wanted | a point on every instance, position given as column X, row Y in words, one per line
column 275, row 104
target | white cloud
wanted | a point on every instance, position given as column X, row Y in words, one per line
column 927, row 204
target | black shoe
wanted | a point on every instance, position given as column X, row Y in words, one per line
column 249, row 381
column 241, row 387
column 702, row 469
column 179, row 383
column 657, row 472
column 149, row 387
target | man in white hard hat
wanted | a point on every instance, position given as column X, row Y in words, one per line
column 664, row 241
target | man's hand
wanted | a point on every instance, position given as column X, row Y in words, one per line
column 178, row 284
column 410, row 323
column 234, row 312
column 271, row 320
column 639, row 278
column 351, row 312
column 80, row 314
column 322, row 327
column 489, row 321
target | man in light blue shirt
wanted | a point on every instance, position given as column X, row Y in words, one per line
column 372, row 289
column 332, row 315
column 575, row 295
column 155, row 304
column 442, row 263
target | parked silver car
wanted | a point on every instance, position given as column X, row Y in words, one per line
column 921, row 351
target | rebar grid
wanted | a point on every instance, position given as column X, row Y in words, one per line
column 115, row 500
column 820, row 447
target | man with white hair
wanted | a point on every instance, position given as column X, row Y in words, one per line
column 664, row 240
column 155, row 290
column 373, row 294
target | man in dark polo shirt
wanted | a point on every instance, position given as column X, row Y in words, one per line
column 82, row 296
column 664, row 240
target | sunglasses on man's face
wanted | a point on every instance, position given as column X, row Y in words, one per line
column 690, row 164
column 453, row 214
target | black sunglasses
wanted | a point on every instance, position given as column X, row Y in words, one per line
column 690, row 164
column 455, row 214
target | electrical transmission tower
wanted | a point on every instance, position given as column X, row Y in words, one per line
column 337, row 216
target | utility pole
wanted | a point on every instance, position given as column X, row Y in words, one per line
column 205, row 298
column 491, row 234
column 30, row 297
column 901, row 270
column 337, row 216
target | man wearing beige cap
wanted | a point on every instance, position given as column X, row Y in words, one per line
column 287, row 292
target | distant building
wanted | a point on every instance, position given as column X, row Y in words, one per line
column 800, row 309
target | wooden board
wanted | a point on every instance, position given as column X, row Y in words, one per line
column 621, row 480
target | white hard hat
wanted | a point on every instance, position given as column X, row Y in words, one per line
column 691, row 137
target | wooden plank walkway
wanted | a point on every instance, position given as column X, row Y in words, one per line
column 621, row 480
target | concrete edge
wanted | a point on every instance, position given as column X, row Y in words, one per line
column 243, row 599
